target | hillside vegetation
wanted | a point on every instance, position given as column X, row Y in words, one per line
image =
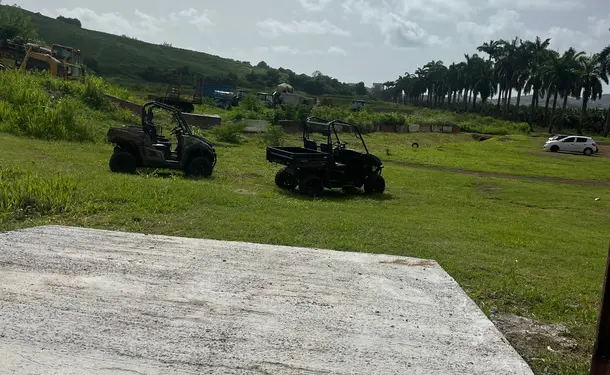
column 37, row 105
column 138, row 64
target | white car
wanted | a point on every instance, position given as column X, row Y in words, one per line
column 572, row 143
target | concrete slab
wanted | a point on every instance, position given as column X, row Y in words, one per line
column 82, row 301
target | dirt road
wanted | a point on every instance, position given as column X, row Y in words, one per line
column 77, row 301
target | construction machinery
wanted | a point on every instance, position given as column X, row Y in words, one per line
column 173, row 95
column 60, row 61
column 284, row 94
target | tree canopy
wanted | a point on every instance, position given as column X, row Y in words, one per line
column 516, row 65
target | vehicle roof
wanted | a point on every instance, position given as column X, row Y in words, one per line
column 577, row 136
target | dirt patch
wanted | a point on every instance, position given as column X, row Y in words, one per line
column 604, row 150
column 481, row 137
column 244, row 192
column 417, row 263
column 505, row 175
column 528, row 334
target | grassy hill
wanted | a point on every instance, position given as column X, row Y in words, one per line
column 145, row 66
column 128, row 58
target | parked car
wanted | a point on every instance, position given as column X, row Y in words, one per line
column 578, row 144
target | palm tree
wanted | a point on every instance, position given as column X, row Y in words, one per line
column 491, row 48
column 538, row 54
column 486, row 83
column 590, row 80
column 469, row 74
column 562, row 74
column 604, row 59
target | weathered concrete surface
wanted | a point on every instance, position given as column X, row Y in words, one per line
column 78, row 301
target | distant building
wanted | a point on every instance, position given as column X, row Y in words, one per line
column 377, row 87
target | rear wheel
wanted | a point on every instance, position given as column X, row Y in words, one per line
column 311, row 185
column 554, row 148
column 199, row 167
column 375, row 184
column 122, row 162
column 285, row 180
column 588, row 151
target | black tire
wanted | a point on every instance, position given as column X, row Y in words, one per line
column 554, row 148
column 122, row 162
column 375, row 184
column 588, row 151
column 311, row 185
column 199, row 167
column 415, row 145
column 286, row 180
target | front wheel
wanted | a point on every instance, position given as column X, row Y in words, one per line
column 285, row 180
column 199, row 167
column 375, row 184
column 554, row 148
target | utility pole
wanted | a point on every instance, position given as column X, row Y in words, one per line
column 600, row 362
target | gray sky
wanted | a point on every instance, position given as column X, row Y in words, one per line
column 352, row 40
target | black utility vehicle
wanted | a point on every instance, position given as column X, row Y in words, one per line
column 329, row 165
column 145, row 145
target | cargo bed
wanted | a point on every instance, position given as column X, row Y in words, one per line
column 298, row 157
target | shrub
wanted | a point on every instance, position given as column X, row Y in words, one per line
column 251, row 102
column 25, row 195
column 93, row 94
column 274, row 136
column 230, row 132
column 38, row 105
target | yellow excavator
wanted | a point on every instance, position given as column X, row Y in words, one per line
column 60, row 61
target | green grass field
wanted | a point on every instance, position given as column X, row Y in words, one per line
column 532, row 248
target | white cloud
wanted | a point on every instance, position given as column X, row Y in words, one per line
column 537, row 4
column 436, row 10
column 506, row 24
column 337, row 51
column 396, row 29
column 333, row 50
column 142, row 25
column 314, row 5
column 275, row 28
column 563, row 38
column 598, row 27
column 499, row 25
column 430, row 10
column 403, row 33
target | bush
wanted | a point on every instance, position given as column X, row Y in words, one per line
column 251, row 102
column 274, row 136
column 25, row 195
column 230, row 132
column 40, row 106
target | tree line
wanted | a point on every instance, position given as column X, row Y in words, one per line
column 525, row 67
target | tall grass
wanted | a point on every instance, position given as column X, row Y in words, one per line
column 23, row 194
column 37, row 105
